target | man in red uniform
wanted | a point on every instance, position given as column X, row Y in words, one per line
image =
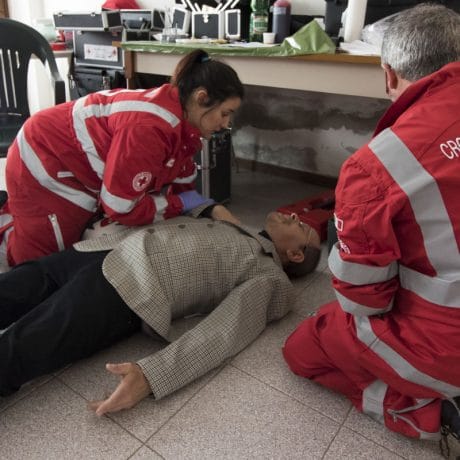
column 391, row 342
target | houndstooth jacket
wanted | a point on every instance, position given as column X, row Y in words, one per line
column 186, row 266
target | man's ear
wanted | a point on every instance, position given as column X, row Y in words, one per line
column 297, row 256
column 391, row 77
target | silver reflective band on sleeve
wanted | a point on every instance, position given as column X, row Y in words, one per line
column 161, row 203
column 359, row 274
column 425, row 199
column 188, row 179
column 360, row 310
column 436, row 290
column 35, row 167
column 373, row 397
column 400, row 365
column 118, row 204
column 81, row 113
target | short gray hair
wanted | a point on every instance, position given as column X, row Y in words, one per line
column 421, row 40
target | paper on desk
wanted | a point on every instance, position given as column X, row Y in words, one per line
column 250, row 45
column 360, row 47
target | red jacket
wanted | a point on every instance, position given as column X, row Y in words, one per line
column 397, row 265
column 115, row 149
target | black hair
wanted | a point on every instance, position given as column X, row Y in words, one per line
column 197, row 70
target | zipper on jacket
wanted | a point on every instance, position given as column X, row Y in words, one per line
column 396, row 415
column 57, row 231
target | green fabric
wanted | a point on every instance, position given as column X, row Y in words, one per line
column 310, row 39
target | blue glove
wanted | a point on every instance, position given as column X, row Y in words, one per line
column 191, row 199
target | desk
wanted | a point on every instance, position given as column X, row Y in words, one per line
column 327, row 73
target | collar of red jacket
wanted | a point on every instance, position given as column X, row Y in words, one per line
column 417, row 90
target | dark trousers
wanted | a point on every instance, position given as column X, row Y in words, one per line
column 57, row 309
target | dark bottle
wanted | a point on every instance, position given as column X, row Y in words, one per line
column 281, row 20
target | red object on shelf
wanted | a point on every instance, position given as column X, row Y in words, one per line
column 58, row 46
column 314, row 211
column 120, row 5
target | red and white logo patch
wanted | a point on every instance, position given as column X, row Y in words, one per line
column 141, row 181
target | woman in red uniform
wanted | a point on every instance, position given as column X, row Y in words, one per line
column 125, row 153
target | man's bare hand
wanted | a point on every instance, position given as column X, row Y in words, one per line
column 220, row 212
column 132, row 389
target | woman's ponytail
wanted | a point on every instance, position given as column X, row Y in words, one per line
column 197, row 69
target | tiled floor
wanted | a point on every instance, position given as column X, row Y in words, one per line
column 250, row 408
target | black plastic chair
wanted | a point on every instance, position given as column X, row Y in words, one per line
column 18, row 42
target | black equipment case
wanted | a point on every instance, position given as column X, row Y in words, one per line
column 97, row 63
column 103, row 20
column 376, row 9
column 214, row 167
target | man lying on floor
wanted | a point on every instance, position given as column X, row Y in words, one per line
column 69, row 305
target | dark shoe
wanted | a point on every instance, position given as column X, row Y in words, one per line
column 450, row 426
column 450, row 416
column 3, row 197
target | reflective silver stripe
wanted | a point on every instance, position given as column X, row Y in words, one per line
column 400, row 365
column 35, row 167
column 359, row 274
column 79, row 115
column 57, row 231
column 118, row 204
column 62, row 174
column 81, row 112
column 188, row 179
column 425, row 199
column 5, row 219
column 357, row 309
column 161, row 203
column 436, row 290
column 4, row 266
column 373, row 397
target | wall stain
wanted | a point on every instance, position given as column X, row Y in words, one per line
column 306, row 131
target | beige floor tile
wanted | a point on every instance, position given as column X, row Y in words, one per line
column 54, row 423
column 407, row 448
column 263, row 360
column 90, row 379
column 236, row 416
column 26, row 389
column 145, row 453
column 349, row 445
column 315, row 294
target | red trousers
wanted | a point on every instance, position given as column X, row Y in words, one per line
column 325, row 349
column 42, row 222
